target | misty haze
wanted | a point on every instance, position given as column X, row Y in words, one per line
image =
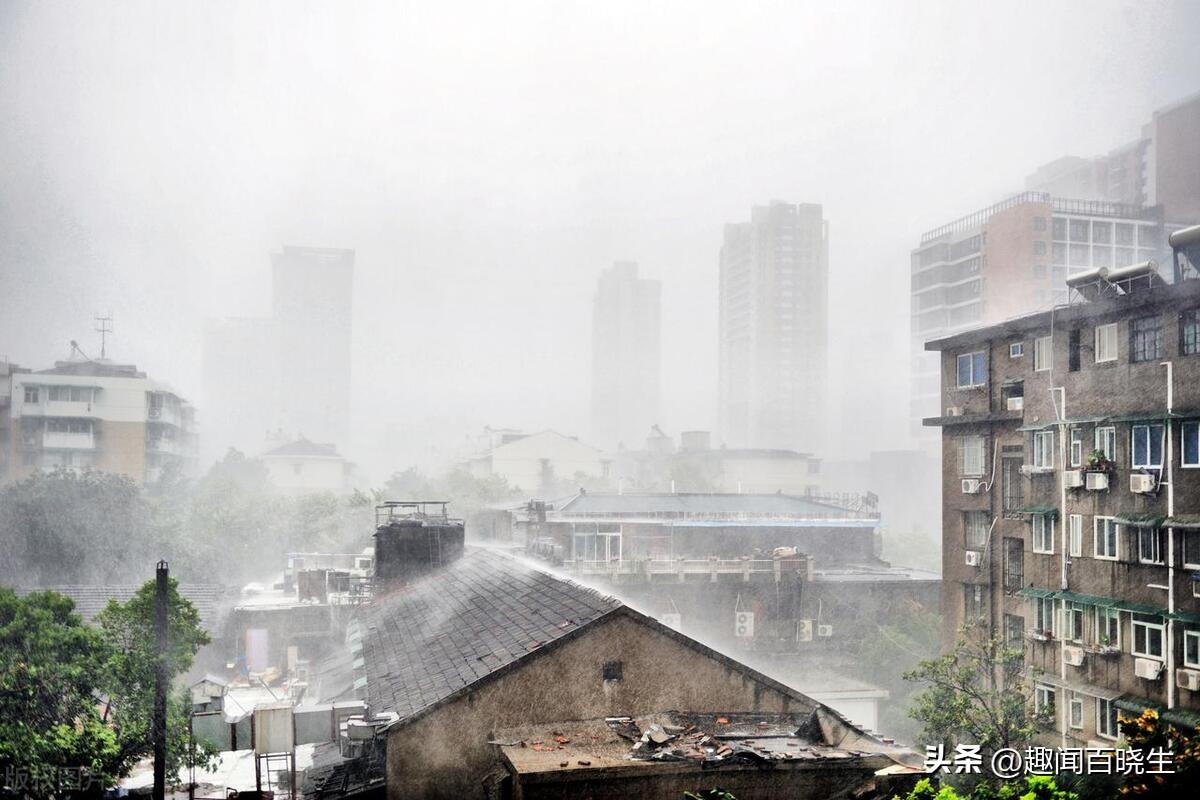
column 578, row 400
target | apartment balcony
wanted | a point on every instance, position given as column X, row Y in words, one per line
column 58, row 440
column 165, row 447
column 681, row 570
column 78, row 409
column 164, row 415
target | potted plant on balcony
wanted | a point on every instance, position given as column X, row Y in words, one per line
column 1105, row 647
column 1098, row 462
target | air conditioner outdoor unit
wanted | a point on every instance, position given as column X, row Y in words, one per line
column 1015, row 404
column 824, row 631
column 1147, row 668
column 1073, row 656
column 972, row 558
column 971, row 485
column 743, row 624
column 1188, row 679
column 1141, row 484
column 1073, row 479
column 1097, row 481
column 954, row 411
column 155, row 412
column 804, row 630
column 673, row 620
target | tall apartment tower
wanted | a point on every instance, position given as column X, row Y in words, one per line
column 774, row 310
column 312, row 289
column 626, row 356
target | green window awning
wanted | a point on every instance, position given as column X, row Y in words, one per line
column 1140, row 608
column 1043, row 511
column 1033, row 591
column 1179, row 717
column 1187, row 616
column 1140, row 519
column 1088, row 599
column 1189, row 522
column 1145, row 416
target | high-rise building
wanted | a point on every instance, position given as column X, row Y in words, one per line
column 312, row 291
column 774, row 309
column 1010, row 259
column 626, row 356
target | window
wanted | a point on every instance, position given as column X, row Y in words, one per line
column 1014, row 562
column 972, row 602
column 1106, row 442
column 1106, row 718
column 1016, row 350
column 1191, row 648
column 1106, row 537
column 1074, row 621
column 1039, row 223
column 31, row 394
column 1075, row 534
column 1145, row 339
column 1108, row 627
column 1039, row 249
column 1075, row 715
column 1041, row 353
column 1014, row 484
column 1043, row 700
column 1043, row 533
column 1147, row 636
column 1044, row 608
column 1147, row 446
column 1073, row 345
column 1014, row 631
column 1191, row 548
column 1149, row 545
column 970, row 455
column 975, row 529
column 1076, row 447
column 1043, row 449
column 970, row 370
column 613, row 670
column 1189, row 436
column 1189, row 332
column 1106, row 343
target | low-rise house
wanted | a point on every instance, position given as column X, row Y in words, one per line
column 481, row 641
column 539, row 462
column 302, row 467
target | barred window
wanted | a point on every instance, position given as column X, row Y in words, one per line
column 1189, row 332
column 1145, row 339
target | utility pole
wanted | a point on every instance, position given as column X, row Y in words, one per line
column 158, row 730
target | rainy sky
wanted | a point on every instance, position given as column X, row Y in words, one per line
column 487, row 160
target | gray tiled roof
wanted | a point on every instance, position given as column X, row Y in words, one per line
column 483, row 612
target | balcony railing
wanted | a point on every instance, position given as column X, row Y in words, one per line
column 683, row 568
column 59, row 440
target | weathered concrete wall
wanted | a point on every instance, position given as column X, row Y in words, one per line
column 445, row 754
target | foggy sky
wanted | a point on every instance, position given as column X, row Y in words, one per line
column 487, row 161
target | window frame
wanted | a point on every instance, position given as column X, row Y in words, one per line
column 1109, row 433
column 1187, row 635
column 1074, row 615
column 1045, row 700
column 965, row 444
column 35, row 391
column 1102, row 337
column 1108, row 621
column 1138, row 351
column 1187, row 537
column 1075, row 701
column 1045, row 609
column 1041, row 531
column 1148, row 427
column 1152, row 538
column 976, row 381
column 1075, row 535
column 967, row 517
column 1190, row 318
column 1016, row 349
column 1106, row 719
column 1110, row 528
column 1043, row 353
column 1194, row 427
column 1143, row 627
column 1046, row 450
column 1076, row 446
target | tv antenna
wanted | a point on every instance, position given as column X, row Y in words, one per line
column 104, row 327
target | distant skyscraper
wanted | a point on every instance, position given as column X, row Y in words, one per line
column 626, row 357
column 312, row 311
column 774, row 309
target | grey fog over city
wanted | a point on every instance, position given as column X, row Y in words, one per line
column 550, row 399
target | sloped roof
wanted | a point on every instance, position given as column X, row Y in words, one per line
column 303, row 448
column 478, row 615
column 689, row 503
column 93, row 369
column 208, row 598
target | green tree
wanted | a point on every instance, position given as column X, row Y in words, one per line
column 50, row 665
column 128, row 676
column 1148, row 732
column 67, row 527
column 974, row 694
column 1032, row 787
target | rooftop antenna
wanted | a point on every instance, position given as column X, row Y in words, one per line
column 104, row 327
